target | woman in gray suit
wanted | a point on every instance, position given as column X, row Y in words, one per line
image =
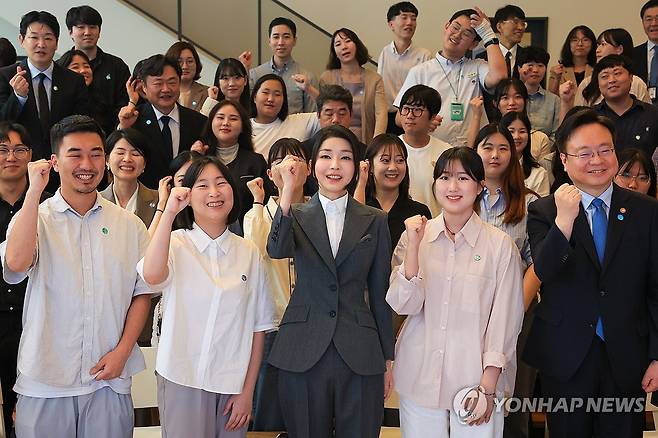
column 333, row 349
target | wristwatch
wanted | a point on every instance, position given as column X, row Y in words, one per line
column 490, row 42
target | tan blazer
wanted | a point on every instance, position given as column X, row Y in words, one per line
column 568, row 75
column 147, row 202
column 198, row 95
column 374, row 110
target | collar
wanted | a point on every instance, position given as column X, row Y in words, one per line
column 586, row 199
column 202, row 241
column 35, row 71
column 487, row 193
column 505, row 49
column 539, row 91
column 60, row 205
column 650, row 45
column 174, row 114
column 469, row 231
column 445, row 61
column 285, row 67
column 394, row 50
column 132, row 197
column 636, row 104
column 337, row 206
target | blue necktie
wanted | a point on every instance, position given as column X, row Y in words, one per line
column 653, row 71
column 599, row 232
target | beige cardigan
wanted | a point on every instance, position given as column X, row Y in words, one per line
column 568, row 75
column 374, row 110
column 196, row 98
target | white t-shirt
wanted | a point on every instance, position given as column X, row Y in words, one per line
column 538, row 181
column 300, row 126
column 420, row 165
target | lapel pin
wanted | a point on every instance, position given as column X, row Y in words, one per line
column 620, row 217
column 152, row 204
column 637, row 137
column 193, row 103
column 55, row 87
column 105, row 231
column 244, row 277
column 622, row 210
column 477, row 258
column 148, row 122
column 108, row 77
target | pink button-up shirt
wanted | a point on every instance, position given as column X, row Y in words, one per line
column 465, row 310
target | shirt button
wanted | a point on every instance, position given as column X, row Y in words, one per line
column 11, row 307
column 332, row 313
column 602, row 293
column 8, row 290
column 440, row 351
column 443, row 327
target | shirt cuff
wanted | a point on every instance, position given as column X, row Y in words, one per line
column 494, row 359
column 21, row 99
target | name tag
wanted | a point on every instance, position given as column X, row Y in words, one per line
column 652, row 93
column 456, row 111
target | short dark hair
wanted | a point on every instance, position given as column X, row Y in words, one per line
column 7, row 126
column 186, row 217
column 72, row 124
column 333, row 92
column 137, row 69
column 283, row 112
column 155, row 65
column 535, row 54
column 283, row 21
column 337, row 131
column 7, row 52
column 465, row 13
column 377, row 145
column 362, row 55
column 83, row 15
column 41, row 17
column 566, row 56
column 507, row 12
column 244, row 139
column 577, row 120
column 503, row 87
column 174, row 53
column 469, row 159
column 136, row 139
column 233, row 67
column 592, row 91
column 285, row 146
column 67, row 58
column 648, row 5
column 399, row 8
column 180, row 160
column 628, row 157
column 422, row 95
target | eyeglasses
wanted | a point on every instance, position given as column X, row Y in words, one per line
column 517, row 22
column 588, row 155
column 416, row 112
column 582, row 41
column 456, row 29
column 626, row 177
column 19, row 152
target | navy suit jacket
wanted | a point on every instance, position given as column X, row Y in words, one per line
column 576, row 289
column 640, row 62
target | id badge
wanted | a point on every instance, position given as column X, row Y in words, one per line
column 456, row 111
column 652, row 93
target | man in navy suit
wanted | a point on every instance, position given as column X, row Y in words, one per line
column 37, row 93
column 644, row 55
column 170, row 127
column 595, row 249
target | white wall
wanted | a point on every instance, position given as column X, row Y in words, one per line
column 125, row 32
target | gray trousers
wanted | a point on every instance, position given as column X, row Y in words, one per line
column 193, row 413
column 101, row 414
column 331, row 396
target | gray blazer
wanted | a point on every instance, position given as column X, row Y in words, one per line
column 147, row 202
column 328, row 302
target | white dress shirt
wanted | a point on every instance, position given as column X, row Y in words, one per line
column 174, row 126
column 512, row 58
column 334, row 213
column 80, row 286
column 216, row 296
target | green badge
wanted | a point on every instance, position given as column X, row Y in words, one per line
column 105, row 231
column 477, row 258
column 456, row 111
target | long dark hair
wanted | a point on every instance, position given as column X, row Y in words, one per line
column 566, row 56
column 233, row 67
column 390, row 142
column 503, row 87
column 244, row 139
column 362, row 56
column 513, row 185
column 528, row 161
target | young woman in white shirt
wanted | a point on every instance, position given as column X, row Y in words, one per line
column 464, row 313
column 333, row 349
column 218, row 307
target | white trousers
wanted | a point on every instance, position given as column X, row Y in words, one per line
column 421, row 422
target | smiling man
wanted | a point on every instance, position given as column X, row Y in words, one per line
column 282, row 34
column 645, row 60
column 85, row 305
column 37, row 93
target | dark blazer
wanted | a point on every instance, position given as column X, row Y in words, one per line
column 68, row 96
column 328, row 304
column 576, row 290
column 640, row 62
column 147, row 202
column 247, row 166
column 191, row 125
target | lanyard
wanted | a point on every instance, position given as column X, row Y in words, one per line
column 455, row 91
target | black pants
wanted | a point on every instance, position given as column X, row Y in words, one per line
column 594, row 380
column 330, row 395
column 10, row 336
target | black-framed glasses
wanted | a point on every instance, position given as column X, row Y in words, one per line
column 415, row 111
column 19, row 152
column 588, row 155
column 642, row 178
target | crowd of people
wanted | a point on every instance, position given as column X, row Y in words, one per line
column 454, row 227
